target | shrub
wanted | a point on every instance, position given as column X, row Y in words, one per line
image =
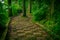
column 15, row 7
column 3, row 18
column 40, row 13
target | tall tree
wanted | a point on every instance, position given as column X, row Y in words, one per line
column 1, row 4
column 10, row 9
column 30, row 5
column 24, row 8
column 0, row 7
column 52, row 7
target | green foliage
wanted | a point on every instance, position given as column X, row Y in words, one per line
column 39, row 13
column 15, row 7
column 56, row 29
column 3, row 18
column 56, row 15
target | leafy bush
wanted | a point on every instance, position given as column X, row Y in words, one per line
column 15, row 7
column 40, row 13
column 3, row 18
column 56, row 29
column 3, row 21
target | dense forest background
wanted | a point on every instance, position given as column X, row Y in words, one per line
column 44, row 12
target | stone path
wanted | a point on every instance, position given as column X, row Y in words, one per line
column 22, row 28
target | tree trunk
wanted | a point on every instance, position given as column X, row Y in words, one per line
column 1, row 9
column 24, row 8
column 30, row 5
column 52, row 8
column 9, row 9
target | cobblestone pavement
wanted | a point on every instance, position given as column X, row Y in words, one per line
column 22, row 28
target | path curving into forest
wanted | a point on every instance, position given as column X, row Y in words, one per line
column 22, row 28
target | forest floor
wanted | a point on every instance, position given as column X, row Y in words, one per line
column 22, row 28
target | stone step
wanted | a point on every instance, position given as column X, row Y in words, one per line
column 20, row 31
column 21, row 34
column 28, row 33
column 38, row 34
